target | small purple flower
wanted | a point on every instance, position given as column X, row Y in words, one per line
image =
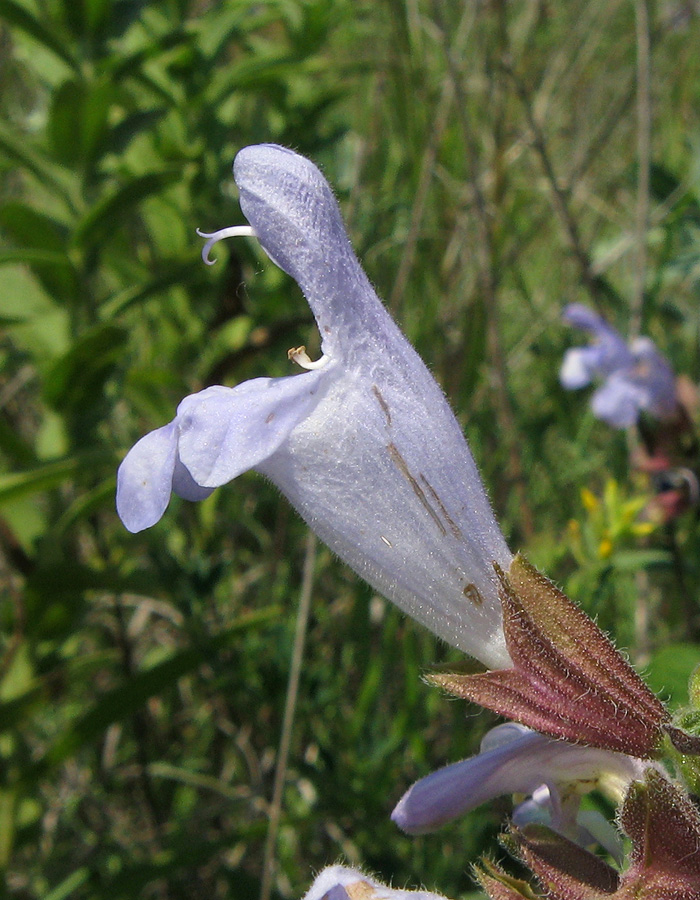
column 636, row 378
column 515, row 760
column 606, row 354
column 344, row 883
column 363, row 444
column 648, row 385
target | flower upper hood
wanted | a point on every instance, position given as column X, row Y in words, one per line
column 364, row 445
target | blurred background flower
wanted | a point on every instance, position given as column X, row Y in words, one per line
column 636, row 378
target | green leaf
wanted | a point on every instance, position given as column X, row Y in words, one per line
column 78, row 118
column 86, row 504
column 102, row 217
column 53, row 269
column 77, row 378
column 43, row 242
column 31, row 228
column 121, row 702
column 69, row 884
column 15, row 711
column 670, row 669
column 133, row 125
column 33, row 258
column 257, row 73
column 194, row 779
column 16, row 147
column 131, row 64
column 8, row 821
column 636, row 560
column 13, row 445
column 20, row 17
column 177, row 273
column 88, row 18
column 64, row 579
column 50, row 475
column 185, row 853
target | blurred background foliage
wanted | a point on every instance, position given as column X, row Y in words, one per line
column 495, row 160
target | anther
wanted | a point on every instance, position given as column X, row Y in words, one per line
column 216, row 236
column 302, row 358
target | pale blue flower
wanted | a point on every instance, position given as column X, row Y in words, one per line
column 363, row 444
column 551, row 774
column 636, row 378
column 647, row 385
column 344, row 883
column 608, row 351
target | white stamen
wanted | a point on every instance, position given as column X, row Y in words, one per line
column 216, row 236
column 302, row 358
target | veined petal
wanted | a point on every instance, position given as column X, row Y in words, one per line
column 226, row 431
column 384, row 477
column 145, row 478
column 380, row 468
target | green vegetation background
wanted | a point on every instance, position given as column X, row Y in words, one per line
column 495, row 161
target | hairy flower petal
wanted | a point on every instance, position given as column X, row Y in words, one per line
column 148, row 474
column 513, row 760
column 226, row 431
column 364, row 445
column 344, row 883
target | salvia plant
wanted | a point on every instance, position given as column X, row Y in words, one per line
column 490, row 162
column 365, row 447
